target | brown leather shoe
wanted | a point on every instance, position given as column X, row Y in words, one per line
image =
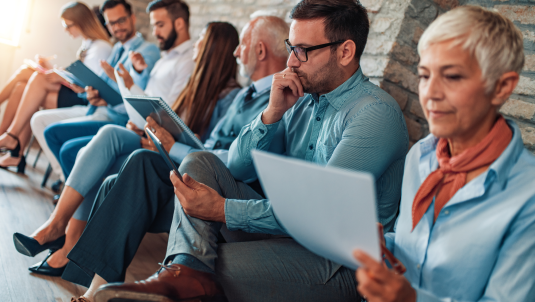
column 175, row 282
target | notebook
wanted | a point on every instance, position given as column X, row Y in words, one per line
column 86, row 77
column 158, row 109
column 330, row 211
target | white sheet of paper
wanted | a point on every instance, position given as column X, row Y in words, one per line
column 133, row 115
column 329, row 211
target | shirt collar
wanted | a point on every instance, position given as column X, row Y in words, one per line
column 263, row 84
column 338, row 96
column 128, row 44
column 86, row 43
column 500, row 168
column 180, row 49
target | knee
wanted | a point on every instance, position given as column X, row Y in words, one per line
column 38, row 121
column 143, row 157
column 50, row 133
column 197, row 160
column 19, row 87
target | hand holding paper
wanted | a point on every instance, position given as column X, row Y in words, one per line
column 94, row 98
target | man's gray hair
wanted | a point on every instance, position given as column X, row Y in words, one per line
column 494, row 41
column 272, row 30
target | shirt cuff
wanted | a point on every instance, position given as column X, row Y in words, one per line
column 179, row 151
column 262, row 131
column 236, row 214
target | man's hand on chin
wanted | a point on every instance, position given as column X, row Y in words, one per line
column 198, row 200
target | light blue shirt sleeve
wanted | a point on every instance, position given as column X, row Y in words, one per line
column 366, row 142
column 255, row 135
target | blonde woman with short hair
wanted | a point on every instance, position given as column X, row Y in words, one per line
column 466, row 227
column 28, row 90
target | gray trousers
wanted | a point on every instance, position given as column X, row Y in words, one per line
column 276, row 269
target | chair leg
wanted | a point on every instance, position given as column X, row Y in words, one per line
column 37, row 157
column 29, row 147
column 47, row 174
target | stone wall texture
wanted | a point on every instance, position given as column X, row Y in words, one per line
column 390, row 57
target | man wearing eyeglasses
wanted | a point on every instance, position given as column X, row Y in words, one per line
column 128, row 51
column 323, row 110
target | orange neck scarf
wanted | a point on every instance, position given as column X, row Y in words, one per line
column 452, row 171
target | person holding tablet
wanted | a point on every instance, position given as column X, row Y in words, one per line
column 467, row 216
column 142, row 191
column 28, row 90
column 111, row 146
column 121, row 22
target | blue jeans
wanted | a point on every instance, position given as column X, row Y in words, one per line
column 65, row 139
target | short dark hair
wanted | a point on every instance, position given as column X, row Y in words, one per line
column 343, row 20
column 113, row 3
column 175, row 8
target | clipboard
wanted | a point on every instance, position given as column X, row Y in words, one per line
column 88, row 78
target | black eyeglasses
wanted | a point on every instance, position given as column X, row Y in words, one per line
column 120, row 21
column 301, row 53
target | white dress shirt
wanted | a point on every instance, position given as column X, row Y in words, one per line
column 170, row 74
column 96, row 50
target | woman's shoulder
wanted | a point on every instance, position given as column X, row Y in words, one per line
column 101, row 44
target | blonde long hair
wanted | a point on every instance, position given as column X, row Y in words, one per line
column 83, row 17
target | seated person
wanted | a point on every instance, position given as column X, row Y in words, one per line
column 343, row 121
column 28, row 90
column 142, row 190
column 166, row 80
column 121, row 23
column 111, row 146
column 467, row 216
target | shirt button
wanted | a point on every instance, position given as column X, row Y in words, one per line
column 311, row 147
column 318, row 119
column 446, row 212
column 418, row 266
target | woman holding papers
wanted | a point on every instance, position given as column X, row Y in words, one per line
column 466, row 226
column 28, row 90
column 204, row 100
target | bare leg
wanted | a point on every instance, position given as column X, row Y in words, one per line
column 95, row 284
column 74, row 231
column 12, row 105
column 56, row 225
column 22, row 74
column 34, row 96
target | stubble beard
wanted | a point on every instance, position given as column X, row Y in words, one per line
column 319, row 82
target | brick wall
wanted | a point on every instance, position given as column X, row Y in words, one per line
column 390, row 57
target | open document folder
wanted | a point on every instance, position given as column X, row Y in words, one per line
column 330, row 211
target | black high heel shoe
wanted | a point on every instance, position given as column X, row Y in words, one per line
column 21, row 167
column 31, row 247
column 14, row 152
column 43, row 268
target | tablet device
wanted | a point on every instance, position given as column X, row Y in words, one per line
column 163, row 153
column 158, row 109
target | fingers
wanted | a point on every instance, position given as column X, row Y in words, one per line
column 289, row 79
column 190, row 182
column 367, row 286
column 374, row 268
column 122, row 71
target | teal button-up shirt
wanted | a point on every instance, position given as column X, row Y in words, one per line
column 357, row 126
column 482, row 245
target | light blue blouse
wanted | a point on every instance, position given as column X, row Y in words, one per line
column 482, row 245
